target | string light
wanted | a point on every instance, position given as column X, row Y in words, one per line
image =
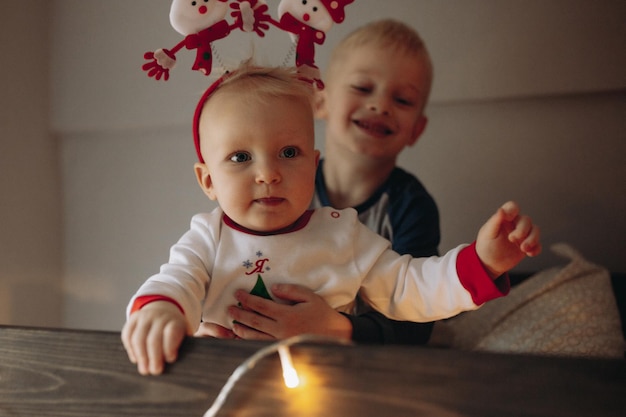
column 289, row 372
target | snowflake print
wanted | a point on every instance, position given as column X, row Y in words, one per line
column 258, row 266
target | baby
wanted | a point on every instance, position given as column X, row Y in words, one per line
column 253, row 131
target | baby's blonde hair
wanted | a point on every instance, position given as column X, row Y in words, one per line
column 256, row 83
column 387, row 34
column 259, row 82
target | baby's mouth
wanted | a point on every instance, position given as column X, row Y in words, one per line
column 270, row 201
column 375, row 128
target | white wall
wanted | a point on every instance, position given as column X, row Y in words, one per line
column 30, row 201
column 563, row 158
column 528, row 103
column 482, row 49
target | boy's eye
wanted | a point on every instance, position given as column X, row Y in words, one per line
column 289, row 152
column 361, row 88
column 240, row 157
column 404, row 101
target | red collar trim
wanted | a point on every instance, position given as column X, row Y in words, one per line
column 294, row 227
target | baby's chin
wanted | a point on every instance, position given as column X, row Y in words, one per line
column 268, row 226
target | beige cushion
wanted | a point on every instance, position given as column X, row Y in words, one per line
column 568, row 311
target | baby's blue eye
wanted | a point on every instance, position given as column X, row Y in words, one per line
column 240, row 157
column 289, row 152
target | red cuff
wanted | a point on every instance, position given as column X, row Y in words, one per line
column 147, row 299
column 475, row 278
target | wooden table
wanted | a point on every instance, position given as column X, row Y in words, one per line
column 45, row 372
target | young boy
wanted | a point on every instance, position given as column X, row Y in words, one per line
column 254, row 136
column 377, row 86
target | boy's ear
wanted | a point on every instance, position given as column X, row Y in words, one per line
column 204, row 180
column 319, row 104
column 418, row 129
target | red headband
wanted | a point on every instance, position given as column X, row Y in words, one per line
column 198, row 112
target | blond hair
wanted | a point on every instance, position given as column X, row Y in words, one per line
column 256, row 83
column 386, row 34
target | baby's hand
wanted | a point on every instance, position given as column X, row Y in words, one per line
column 153, row 335
column 506, row 238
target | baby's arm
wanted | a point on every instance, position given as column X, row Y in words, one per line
column 505, row 239
column 152, row 336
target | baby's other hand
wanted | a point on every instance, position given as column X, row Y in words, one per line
column 506, row 238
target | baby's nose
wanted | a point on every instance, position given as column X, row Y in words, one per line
column 268, row 174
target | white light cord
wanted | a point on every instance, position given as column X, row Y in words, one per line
column 251, row 362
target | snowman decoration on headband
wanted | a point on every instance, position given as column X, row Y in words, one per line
column 201, row 22
column 204, row 21
column 307, row 21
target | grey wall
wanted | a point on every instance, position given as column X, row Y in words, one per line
column 30, row 200
column 528, row 103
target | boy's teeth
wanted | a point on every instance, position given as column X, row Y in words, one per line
column 374, row 127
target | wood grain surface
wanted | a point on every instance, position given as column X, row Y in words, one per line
column 48, row 372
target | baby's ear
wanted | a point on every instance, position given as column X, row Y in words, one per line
column 319, row 104
column 204, row 179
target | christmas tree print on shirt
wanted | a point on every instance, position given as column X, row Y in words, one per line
column 260, row 289
column 259, row 267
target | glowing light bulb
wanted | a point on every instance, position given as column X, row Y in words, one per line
column 289, row 372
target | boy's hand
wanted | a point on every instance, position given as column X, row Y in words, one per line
column 262, row 319
column 506, row 238
column 153, row 335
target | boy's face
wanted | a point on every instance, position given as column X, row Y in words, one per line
column 260, row 159
column 373, row 101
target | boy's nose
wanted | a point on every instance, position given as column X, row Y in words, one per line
column 379, row 104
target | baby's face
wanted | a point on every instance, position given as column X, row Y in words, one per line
column 260, row 158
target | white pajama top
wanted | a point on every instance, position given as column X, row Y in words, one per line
column 326, row 250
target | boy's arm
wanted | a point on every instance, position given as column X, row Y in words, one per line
column 262, row 319
column 375, row 328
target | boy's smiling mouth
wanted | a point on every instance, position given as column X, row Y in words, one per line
column 373, row 127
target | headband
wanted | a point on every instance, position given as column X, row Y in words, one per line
column 203, row 22
column 198, row 112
